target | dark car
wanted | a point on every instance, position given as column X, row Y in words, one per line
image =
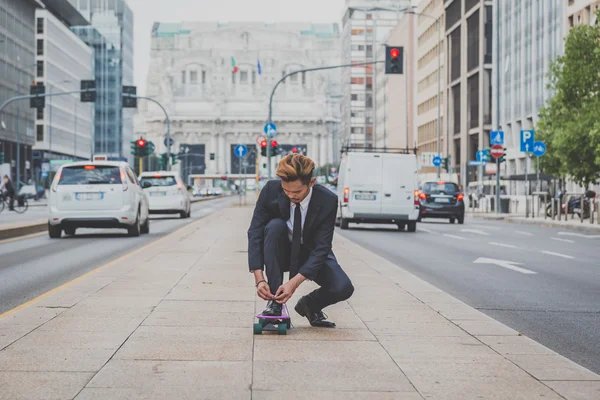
column 442, row 200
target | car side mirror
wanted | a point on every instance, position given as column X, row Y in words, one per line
column 146, row 185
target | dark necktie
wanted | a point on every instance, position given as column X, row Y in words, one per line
column 296, row 236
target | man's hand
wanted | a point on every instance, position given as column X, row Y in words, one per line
column 264, row 291
column 285, row 291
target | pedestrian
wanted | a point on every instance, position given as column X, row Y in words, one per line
column 10, row 192
column 292, row 231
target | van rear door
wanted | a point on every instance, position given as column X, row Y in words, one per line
column 364, row 181
column 399, row 184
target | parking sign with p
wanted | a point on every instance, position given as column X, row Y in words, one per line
column 527, row 139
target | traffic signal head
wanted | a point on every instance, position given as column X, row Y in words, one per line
column 141, row 143
column 129, row 97
column 88, row 97
column 394, row 57
column 263, row 148
column 37, row 102
column 274, row 147
column 446, row 164
column 294, row 150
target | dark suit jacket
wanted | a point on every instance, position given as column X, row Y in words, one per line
column 317, row 234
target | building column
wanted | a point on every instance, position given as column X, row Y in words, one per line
column 322, row 150
column 313, row 153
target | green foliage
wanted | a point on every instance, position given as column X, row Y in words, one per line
column 569, row 123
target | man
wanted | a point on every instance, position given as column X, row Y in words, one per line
column 292, row 230
column 10, row 192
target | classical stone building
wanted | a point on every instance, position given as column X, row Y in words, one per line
column 215, row 80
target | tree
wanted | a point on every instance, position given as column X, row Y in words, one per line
column 569, row 123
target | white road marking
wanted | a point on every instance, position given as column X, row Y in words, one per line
column 426, row 230
column 454, row 236
column 563, row 240
column 510, row 246
column 504, row 264
column 524, row 233
column 477, row 231
column 551, row 253
column 579, row 235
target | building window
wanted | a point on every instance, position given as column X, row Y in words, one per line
column 473, row 101
column 40, row 47
column 357, row 81
column 353, row 97
column 294, row 78
column 244, row 76
column 39, row 133
column 369, row 83
column 303, row 78
column 40, row 113
column 203, row 77
column 453, row 13
column 473, row 41
column 369, row 16
column 369, row 100
column 470, row 4
column 369, row 50
column 233, row 77
column 40, row 25
column 253, row 77
column 455, row 54
column 488, row 32
column 183, row 73
column 456, row 107
column 40, row 69
column 194, row 77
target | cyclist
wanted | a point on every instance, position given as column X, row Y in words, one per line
column 10, row 192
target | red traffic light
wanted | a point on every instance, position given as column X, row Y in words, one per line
column 274, row 143
column 224, row 177
column 263, row 143
column 294, row 150
column 394, row 53
column 141, row 143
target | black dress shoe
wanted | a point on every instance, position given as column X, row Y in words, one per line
column 273, row 309
column 315, row 318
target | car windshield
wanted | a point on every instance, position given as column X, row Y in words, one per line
column 90, row 175
column 159, row 180
column 439, row 187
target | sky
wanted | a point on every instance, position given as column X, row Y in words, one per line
column 146, row 12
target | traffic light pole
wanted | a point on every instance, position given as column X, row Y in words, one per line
column 168, row 123
column 270, row 120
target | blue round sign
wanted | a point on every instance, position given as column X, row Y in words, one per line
column 241, row 150
column 437, row 161
column 539, row 149
column 270, row 129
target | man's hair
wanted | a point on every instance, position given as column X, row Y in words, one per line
column 295, row 166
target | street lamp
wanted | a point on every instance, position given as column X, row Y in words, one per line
column 439, row 124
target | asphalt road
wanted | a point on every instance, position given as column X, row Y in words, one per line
column 542, row 282
column 31, row 266
column 33, row 213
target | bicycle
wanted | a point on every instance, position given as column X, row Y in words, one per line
column 20, row 204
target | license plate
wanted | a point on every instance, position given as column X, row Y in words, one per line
column 158, row 193
column 364, row 196
column 89, row 196
column 442, row 200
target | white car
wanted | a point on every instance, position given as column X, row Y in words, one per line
column 98, row 194
column 168, row 193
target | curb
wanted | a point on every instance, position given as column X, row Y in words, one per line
column 578, row 228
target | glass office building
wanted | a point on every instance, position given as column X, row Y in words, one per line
column 110, row 34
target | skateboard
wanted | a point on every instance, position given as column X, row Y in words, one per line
column 273, row 323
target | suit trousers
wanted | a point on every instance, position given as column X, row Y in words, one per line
column 335, row 285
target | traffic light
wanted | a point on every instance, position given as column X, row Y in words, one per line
column 142, row 147
column 294, row 150
column 263, row 148
column 394, row 56
column 502, row 159
column 446, row 164
column 274, row 147
column 37, row 102
column 1, row 157
column 134, row 148
column 129, row 101
column 88, row 97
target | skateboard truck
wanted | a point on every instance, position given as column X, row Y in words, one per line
column 273, row 323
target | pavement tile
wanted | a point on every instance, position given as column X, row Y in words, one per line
column 163, row 393
column 305, row 332
column 32, row 315
column 200, row 320
column 408, row 348
column 42, row 385
column 183, row 343
column 473, row 366
column 209, row 292
column 486, row 328
column 552, row 367
column 205, row 376
column 40, row 339
column 91, row 324
column 123, row 301
column 420, row 329
column 514, row 345
column 490, row 388
column 321, row 351
column 399, row 315
column 329, row 395
column 10, row 333
column 576, row 390
column 54, row 359
column 383, row 375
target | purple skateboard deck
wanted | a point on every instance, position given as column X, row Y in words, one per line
column 284, row 314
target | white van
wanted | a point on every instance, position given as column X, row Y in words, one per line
column 378, row 187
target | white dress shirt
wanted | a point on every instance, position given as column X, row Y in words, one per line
column 303, row 209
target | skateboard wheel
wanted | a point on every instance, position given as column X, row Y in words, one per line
column 258, row 329
column 261, row 321
column 288, row 323
column 282, row 329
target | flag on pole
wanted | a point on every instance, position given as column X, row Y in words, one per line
column 235, row 68
column 259, row 68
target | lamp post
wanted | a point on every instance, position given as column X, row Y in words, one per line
column 439, row 120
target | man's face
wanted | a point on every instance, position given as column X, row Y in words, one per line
column 296, row 190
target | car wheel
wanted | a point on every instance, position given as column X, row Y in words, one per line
column 54, row 232
column 412, row 226
column 135, row 230
column 344, row 223
column 461, row 220
column 70, row 231
column 145, row 228
column 401, row 227
column 452, row 220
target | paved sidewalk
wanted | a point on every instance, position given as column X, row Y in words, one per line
column 174, row 321
column 571, row 224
